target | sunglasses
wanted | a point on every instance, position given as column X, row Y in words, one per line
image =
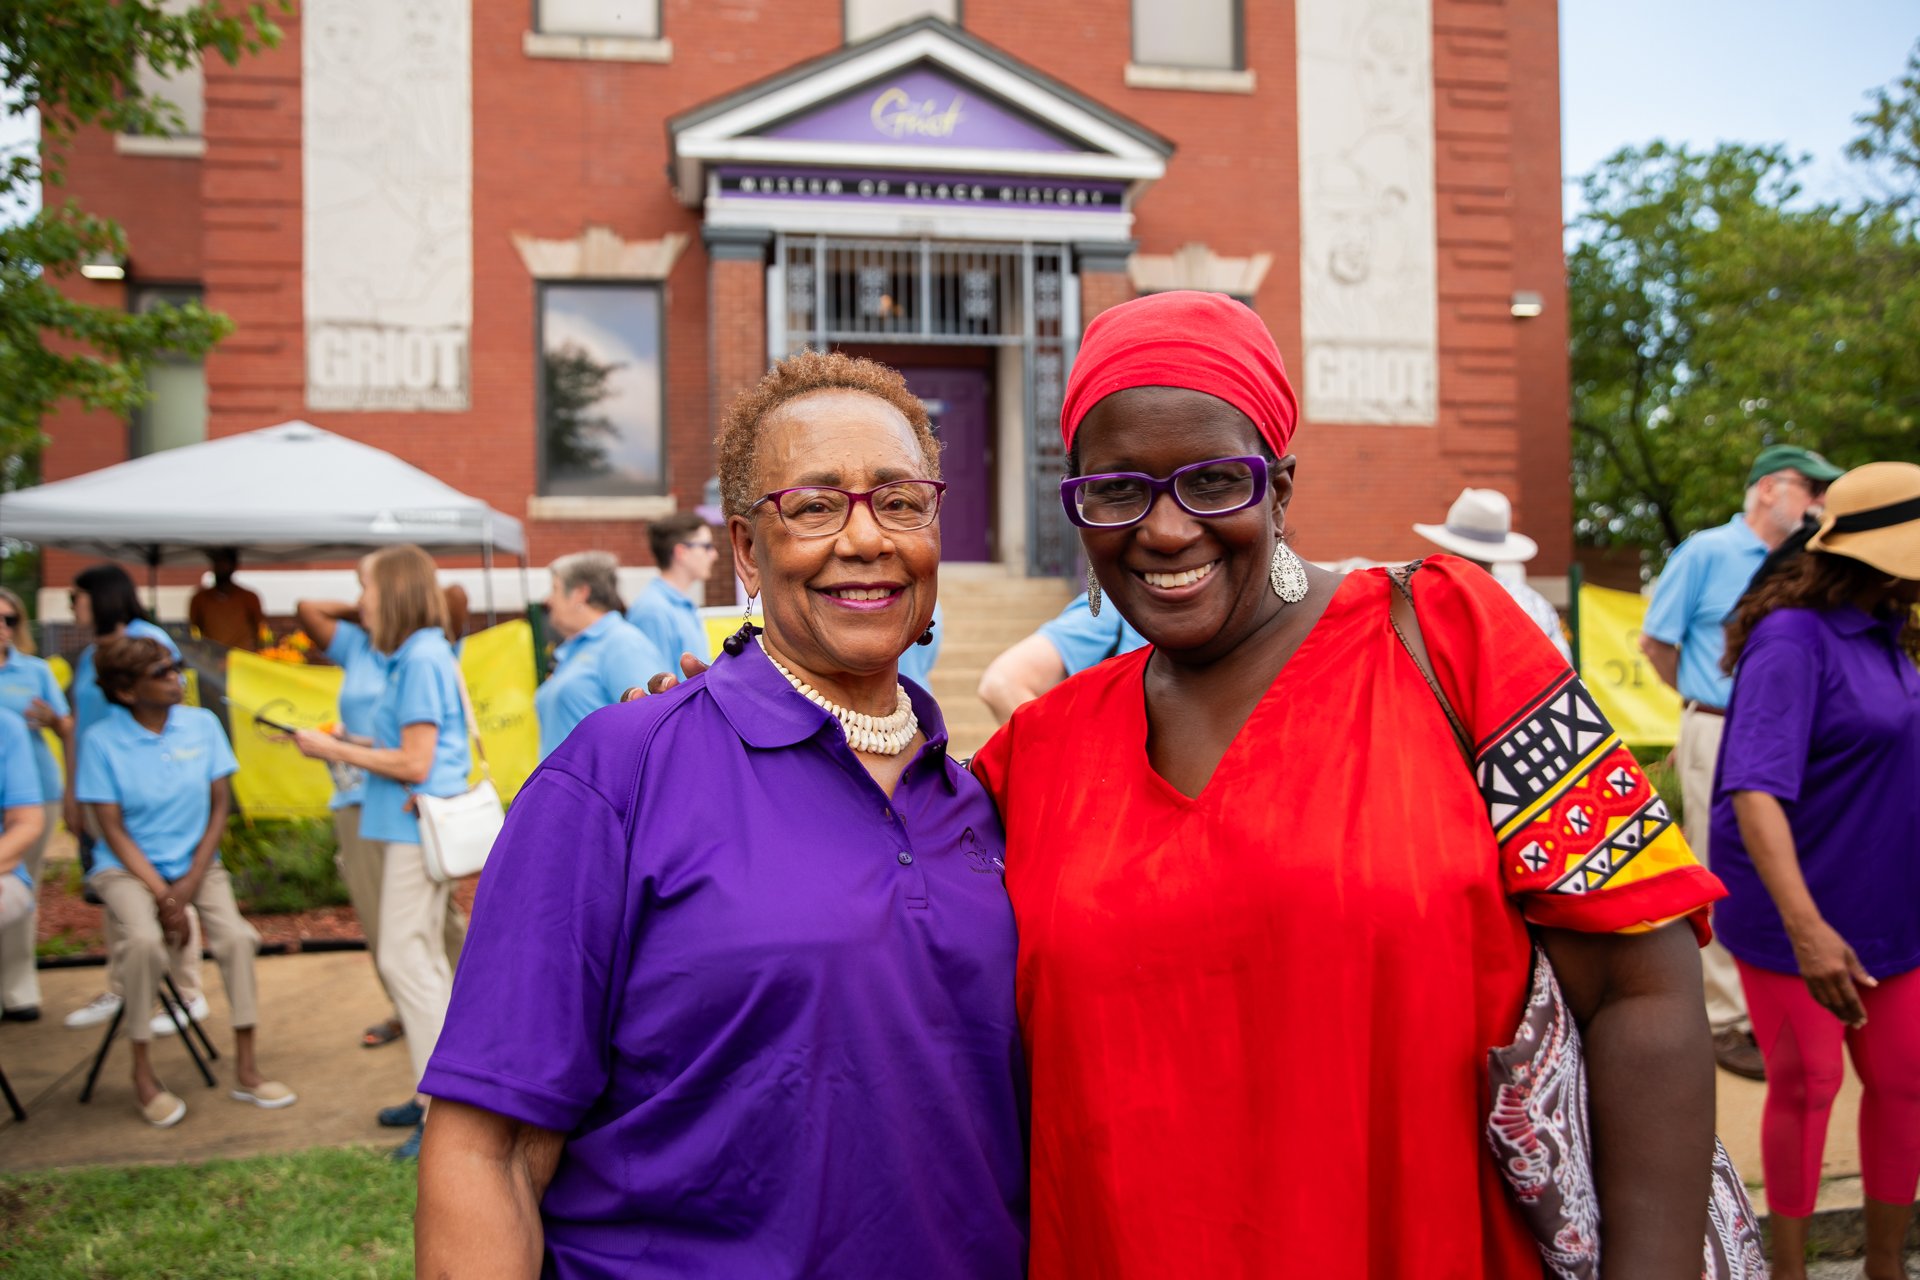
column 10, row 619
column 166, row 669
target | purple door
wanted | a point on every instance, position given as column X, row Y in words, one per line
column 956, row 400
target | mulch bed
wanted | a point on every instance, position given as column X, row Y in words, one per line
column 78, row 924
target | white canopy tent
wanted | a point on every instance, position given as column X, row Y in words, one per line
column 291, row 492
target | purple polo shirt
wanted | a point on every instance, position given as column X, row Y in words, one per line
column 1825, row 716
column 771, row 1009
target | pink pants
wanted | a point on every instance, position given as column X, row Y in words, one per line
column 1801, row 1042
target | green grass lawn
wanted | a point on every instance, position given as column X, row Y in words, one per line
column 321, row 1214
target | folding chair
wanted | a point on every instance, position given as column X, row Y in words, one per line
column 13, row 1103
column 183, row 1019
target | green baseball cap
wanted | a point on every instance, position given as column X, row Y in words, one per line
column 1791, row 457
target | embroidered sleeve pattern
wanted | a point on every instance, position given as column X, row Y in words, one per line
column 1585, row 841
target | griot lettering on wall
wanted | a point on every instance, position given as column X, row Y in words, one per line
column 1354, row 382
column 367, row 366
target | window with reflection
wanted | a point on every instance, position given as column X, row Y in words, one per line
column 602, row 394
column 175, row 411
column 636, row 19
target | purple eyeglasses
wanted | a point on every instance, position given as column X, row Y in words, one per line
column 820, row 511
column 1116, row 499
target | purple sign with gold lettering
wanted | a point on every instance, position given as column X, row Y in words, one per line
column 921, row 108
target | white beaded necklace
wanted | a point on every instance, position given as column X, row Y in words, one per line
column 872, row 734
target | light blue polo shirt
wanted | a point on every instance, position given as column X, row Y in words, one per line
column 19, row 778
column 916, row 664
column 23, row 678
column 1083, row 640
column 423, row 687
column 363, row 683
column 89, row 704
column 590, row 671
column 160, row 781
column 1698, row 589
column 670, row 619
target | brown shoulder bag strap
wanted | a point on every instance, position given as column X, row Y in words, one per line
column 1406, row 625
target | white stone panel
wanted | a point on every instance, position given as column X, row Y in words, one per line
column 388, row 163
column 1369, row 283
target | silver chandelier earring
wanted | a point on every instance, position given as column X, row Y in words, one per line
column 1287, row 574
column 1093, row 594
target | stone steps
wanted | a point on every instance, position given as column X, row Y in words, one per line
column 985, row 610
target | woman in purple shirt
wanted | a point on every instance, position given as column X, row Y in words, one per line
column 1815, row 809
column 738, row 997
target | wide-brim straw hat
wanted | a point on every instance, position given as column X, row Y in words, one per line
column 1480, row 527
column 1873, row 516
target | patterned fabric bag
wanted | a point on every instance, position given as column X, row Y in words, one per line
column 1538, row 1126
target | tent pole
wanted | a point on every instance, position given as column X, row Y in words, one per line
column 153, row 580
column 486, row 559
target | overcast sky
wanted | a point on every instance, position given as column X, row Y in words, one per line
column 1707, row 71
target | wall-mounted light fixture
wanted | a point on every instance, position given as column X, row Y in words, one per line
column 1527, row 304
column 103, row 266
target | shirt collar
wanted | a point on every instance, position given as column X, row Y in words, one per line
column 584, row 639
column 1739, row 521
column 120, row 716
column 768, row 713
column 1852, row 620
column 425, row 635
column 675, row 596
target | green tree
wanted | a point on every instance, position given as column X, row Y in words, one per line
column 77, row 62
column 1714, row 311
column 1711, row 317
column 576, row 437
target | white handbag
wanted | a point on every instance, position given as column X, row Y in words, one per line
column 457, row 832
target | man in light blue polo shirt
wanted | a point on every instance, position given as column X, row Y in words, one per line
column 1684, row 637
column 23, row 817
column 666, row 612
column 601, row 655
column 1063, row 646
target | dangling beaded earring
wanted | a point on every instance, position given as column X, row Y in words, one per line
column 736, row 644
column 1093, row 594
column 926, row 637
column 1287, row 575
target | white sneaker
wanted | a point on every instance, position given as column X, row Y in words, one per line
column 95, row 1011
column 163, row 1021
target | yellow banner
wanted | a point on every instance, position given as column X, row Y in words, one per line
column 1641, row 705
column 498, row 666
column 275, row 780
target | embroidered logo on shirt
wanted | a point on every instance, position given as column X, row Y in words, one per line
column 979, row 859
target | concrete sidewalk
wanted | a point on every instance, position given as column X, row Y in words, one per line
column 312, row 1010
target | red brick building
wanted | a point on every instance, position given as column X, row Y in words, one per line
column 534, row 246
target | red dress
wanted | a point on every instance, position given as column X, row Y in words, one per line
column 1258, row 1020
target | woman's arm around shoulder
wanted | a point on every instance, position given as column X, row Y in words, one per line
column 482, row 1177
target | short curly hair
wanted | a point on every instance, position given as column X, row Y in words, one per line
column 796, row 376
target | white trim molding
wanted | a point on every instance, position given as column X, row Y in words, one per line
column 1195, row 266
column 651, row 506
column 544, row 44
column 142, row 144
column 1191, row 79
column 598, row 253
column 727, row 137
column 808, row 217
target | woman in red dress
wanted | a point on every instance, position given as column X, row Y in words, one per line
column 1270, row 924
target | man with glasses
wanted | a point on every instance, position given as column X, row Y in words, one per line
column 1684, row 637
column 666, row 612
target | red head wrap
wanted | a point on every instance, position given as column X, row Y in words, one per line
column 1198, row 341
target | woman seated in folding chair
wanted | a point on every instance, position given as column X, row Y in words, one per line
column 154, row 779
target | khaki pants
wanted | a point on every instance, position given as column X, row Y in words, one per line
column 19, row 976
column 16, row 901
column 143, row 953
column 413, row 955
column 363, row 865
column 1697, row 755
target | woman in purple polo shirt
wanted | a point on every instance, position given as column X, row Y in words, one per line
column 738, row 998
column 1815, row 809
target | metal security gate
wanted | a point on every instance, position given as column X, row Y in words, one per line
column 826, row 291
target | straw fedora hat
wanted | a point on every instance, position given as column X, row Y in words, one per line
column 1480, row 527
column 1873, row 516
